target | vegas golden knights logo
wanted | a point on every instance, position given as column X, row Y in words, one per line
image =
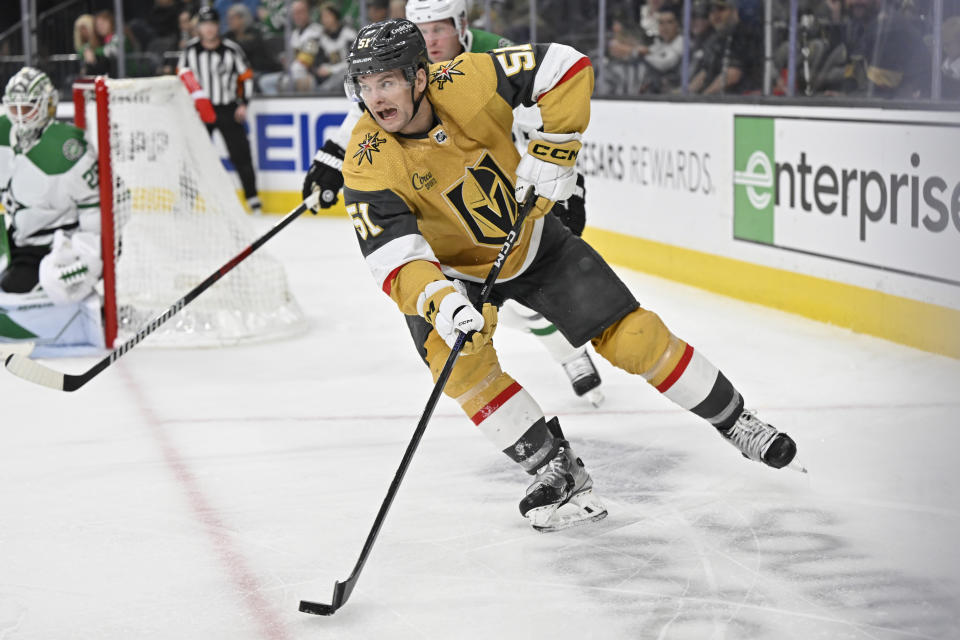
column 484, row 199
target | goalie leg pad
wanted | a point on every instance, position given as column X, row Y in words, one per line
column 56, row 330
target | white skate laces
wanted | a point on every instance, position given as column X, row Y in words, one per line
column 579, row 367
column 760, row 441
column 557, row 473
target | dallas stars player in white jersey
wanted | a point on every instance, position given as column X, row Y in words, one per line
column 49, row 189
column 429, row 182
column 446, row 32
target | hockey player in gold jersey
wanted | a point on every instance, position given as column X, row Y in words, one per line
column 430, row 177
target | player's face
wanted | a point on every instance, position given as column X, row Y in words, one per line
column 442, row 40
column 24, row 113
column 387, row 96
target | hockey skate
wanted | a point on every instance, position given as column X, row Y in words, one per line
column 561, row 496
column 761, row 442
column 584, row 377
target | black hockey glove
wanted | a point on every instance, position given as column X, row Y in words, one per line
column 325, row 174
column 572, row 211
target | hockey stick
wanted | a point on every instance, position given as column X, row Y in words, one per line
column 342, row 590
column 37, row 373
column 20, row 348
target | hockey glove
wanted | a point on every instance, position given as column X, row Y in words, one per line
column 325, row 174
column 444, row 304
column 69, row 272
column 549, row 165
column 572, row 211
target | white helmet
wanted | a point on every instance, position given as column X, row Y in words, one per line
column 419, row 11
column 30, row 101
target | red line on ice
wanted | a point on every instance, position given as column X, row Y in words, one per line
column 667, row 410
column 243, row 578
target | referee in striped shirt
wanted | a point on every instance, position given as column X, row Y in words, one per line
column 221, row 68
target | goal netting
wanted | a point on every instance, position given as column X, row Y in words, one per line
column 173, row 217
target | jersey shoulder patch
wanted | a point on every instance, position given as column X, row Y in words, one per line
column 472, row 71
column 59, row 149
column 372, row 157
column 462, row 87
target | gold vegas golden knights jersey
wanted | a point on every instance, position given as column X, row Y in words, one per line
column 440, row 204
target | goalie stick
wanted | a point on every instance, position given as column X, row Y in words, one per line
column 342, row 590
column 37, row 373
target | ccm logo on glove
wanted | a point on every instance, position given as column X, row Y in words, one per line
column 563, row 153
column 444, row 304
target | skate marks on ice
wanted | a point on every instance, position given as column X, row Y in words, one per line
column 688, row 555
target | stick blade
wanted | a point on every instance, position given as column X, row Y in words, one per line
column 20, row 348
column 317, row 608
column 341, row 591
column 35, row 372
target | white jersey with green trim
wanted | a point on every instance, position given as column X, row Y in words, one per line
column 52, row 185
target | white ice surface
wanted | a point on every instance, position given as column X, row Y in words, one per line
column 202, row 494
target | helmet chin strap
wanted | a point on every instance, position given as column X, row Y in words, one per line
column 416, row 100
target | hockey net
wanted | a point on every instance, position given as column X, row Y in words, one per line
column 170, row 218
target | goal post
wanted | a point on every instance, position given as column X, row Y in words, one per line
column 169, row 216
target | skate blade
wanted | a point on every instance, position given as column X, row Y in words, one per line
column 595, row 396
column 794, row 464
column 583, row 508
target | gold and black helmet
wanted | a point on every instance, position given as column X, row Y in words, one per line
column 383, row 46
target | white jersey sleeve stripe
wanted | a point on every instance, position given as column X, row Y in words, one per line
column 396, row 253
column 554, row 65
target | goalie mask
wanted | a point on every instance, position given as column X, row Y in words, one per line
column 30, row 101
column 420, row 11
column 384, row 46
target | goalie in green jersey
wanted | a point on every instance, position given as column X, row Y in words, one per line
column 49, row 189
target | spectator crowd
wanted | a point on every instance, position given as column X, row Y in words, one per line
column 320, row 35
column 859, row 48
column 855, row 48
